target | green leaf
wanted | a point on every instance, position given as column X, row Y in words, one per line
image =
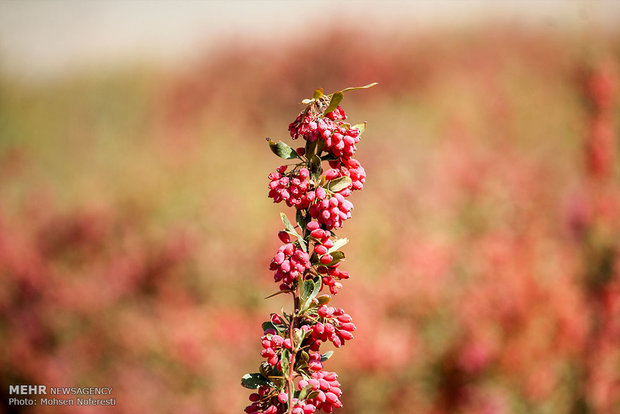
column 323, row 299
column 318, row 93
column 315, row 167
column 284, row 360
column 327, row 355
column 300, row 335
column 288, row 227
column 339, row 184
column 313, row 394
column 278, row 293
column 337, row 257
column 269, row 325
column 303, row 358
column 301, row 364
column 308, row 287
column 282, row 150
column 302, row 244
column 370, row 85
column 304, row 392
column 329, row 157
column 253, row 381
column 334, row 102
column 338, row 244
column 316, row 288
column 302, row 219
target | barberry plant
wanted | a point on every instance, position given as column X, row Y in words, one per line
column 292, row 380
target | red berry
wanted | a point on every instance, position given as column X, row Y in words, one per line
column 320, row 249
column 326, row 259
column 284, row 237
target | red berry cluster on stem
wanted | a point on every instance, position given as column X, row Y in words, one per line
column 291, row 379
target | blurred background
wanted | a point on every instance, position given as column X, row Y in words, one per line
column 136, row 232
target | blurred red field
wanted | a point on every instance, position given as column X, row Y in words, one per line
column 135, row 229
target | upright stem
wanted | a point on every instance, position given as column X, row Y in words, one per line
column 291, row 365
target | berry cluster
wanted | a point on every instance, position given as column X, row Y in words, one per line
column 350, row 167
column 289, row 263
column 327, row 388
column 272, row 343
column 312, row 125
column 292, row 188
column 336, row 327
column 342, row 140
column 330, row 212
column 291, row 379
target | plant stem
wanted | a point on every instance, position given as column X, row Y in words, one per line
column 291, row 365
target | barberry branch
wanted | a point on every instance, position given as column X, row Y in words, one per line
column 308, row 262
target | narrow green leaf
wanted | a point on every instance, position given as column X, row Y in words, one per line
column 302, row 220
column 317, row 288
column 299, row 338
column 318, row 93
column 327, row 355
column 370, row 85
column 339, row 184
column 253, row 381
column 284, row 360
column 302, row 244
column 334, row 102
column 278, row 293
column 288, row 227
column 315, row 167
column 282, row 150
